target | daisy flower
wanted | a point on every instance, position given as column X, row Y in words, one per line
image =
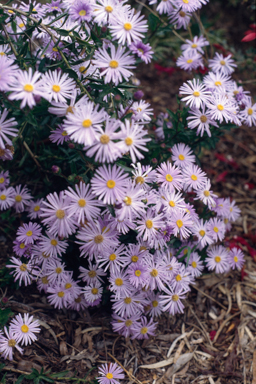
column 133, row 254
column 201, row 120
column 142, row 111
column 105, row 148
column 195, row 93
column 84, row 69
column 92, row 274
column 194, row 177
column 6, row 198
column 81, row 11
column 55, row 271
column 25, row 87
column 171, row 201
column 123, row 325
column 34, row 209
column 133, row 140
column 22, row 198
column 196, row 266
column 8, row 343
column 188, row 5
column 222, row 64
column 181, row 224
column 51, row 245
column 57, row 86
column 157, row 274
column 20, row 248
column 132, row 203
column 82, row 124
column 143, row 175
column 54, row 6
column 137, row 273
column 59, row 136
column 110, row 374
column 190, row 61
column 128, row 306
column 249, row 114
column 7, row 129
column 128, row 27
column 171, row 300
column 203, row 233
column 112, row 259
column 144, row 329
column 38, row 9
column 119, row 284
column 143, row 51
column 217, row 81
column 116, row 65
column 217, row 259
column 55, row 215
column 236, row 258
column 7, row 71
column 234, row 211
column 156, row 307
column 180, row 18
column 182, row 155
column 58, row 296
column 93, row 292
column 24, row 329
column 106, row 11
column 148, row 225
column 183, row 279
column 22, row 271
column 169, row 176
column 195, row 45
column 4, row 179
column 28, row 233
column 109, row 184
column 217, row 229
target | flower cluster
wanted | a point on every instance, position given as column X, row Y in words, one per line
column 21, row 332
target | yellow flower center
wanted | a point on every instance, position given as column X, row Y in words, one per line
column 154, row 273
column 82, row 69
column 202, row 233
column 112, row 257
column 235, row 259
column 2, row 180
column 56, row 88
column 37, row 208
column 18, row 198
column 29, row 233
column 111, row 184
column 55, row 49
column 23, row 267
column 175, row 297
column 78, row 299
column 139, row 180
column 149, row 224
column 178, row 278
column 11, row 343
column 143, row 330
column 250, row 111
column 119, row 282
column 168, row 177
column 60, row 214
column 217, row 259
column 69, row 110
column 154, row 303
column 216, row 229
column 223, row 62
column 3, row 197
column 127, row 26
column 203, row 119
column 134, row 258
column 179, row 223
column 185, row 1
column 81, row 203
column 207, row 193
column 196, row 94
column 189, row 61
column 128, row 141
column 137, row 273
column 98, row 239
column 104, row 139
column 45, row 280
column 87, row 123
column 24, row 328
column 225, row 220
column 22, row 246
column 218, row 83
column 128, row 300
column 109, row 375
column 58, row 270
column 21, row 25
column 82, row 12
column 194, row 45
column 128, row 200
column 181, row 157
column 194, row 177
column 182, row 14
column 194, row 264
column 220, row 107
column 92, row 274
column 68, row 285
column 61, row 294
column 94, row 291
column 54, row 242
column 128, row 323
column 28, row 88
column 108, row 9
column 113, row 64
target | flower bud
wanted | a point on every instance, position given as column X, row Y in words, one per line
column 71, row 145
column 154, row 160
column 55, row 169
column 138, row 95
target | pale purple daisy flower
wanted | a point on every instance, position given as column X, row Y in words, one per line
column 107, row 11
column 217, row 259
column 190, row 61
column 133, row 140
column 59, row 135
column 7, row 198
column 52, row 245
column 55, row 215
column 221, row 108
column 119, row 284
column 53, row 50
column 58, row 296
column 148, row 225
column 7, row 129
column 57, row 86
column 92, row 274
column 180, row 18
column 156, row 273
column 137, row 273
column 109, row 184
column 20, row 248
column 129, row 305
column 141, row 111
column 165, row 6
column 25, row 87
column 4, row 179
column 182, row 155
column 93, row 292
column 6, row 153
column 22, row 198
column 195, row 93
column 37, row 8
column 194, row 177
column 195, row 266
column 68, row 106
column 156, row 307
column 143, row 175
column 222, row 64
column 201, row 120
column 234, row 211
column 171, row 301
column 182, row 280
column 217, row 229
column 82, row 124
column 171, row 201
column 188, row 5
column 248, row 115
column 129, row 27
column 133, row 254
column 78, row 304
column 34, row 209
column 236, row 258
column 115, row 65
column 181, row 224
column 8, row 343
column 82, row 205
column 113, row 260
column 22, row 271
column 143, row 51
column 123, row 325
column 55, row 270
column 144, row 329
column 221, row 207
column 24, row 329
column 169, row 176
column 110, row 374
column 133, row 203
column 217, row 81
column 29, row 233
column 206, row 195
column 54, row 6
column 203, row 233
column 195, row 45
column 81, row 10
column 7, row 72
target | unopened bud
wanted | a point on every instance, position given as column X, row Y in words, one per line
column 138, row 95
column 55, row 169
column 154, row 160
column 71, row 145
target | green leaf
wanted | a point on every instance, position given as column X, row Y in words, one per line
column 152, row 21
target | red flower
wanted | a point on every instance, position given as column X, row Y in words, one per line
column 212, row 335
column 250, row 34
